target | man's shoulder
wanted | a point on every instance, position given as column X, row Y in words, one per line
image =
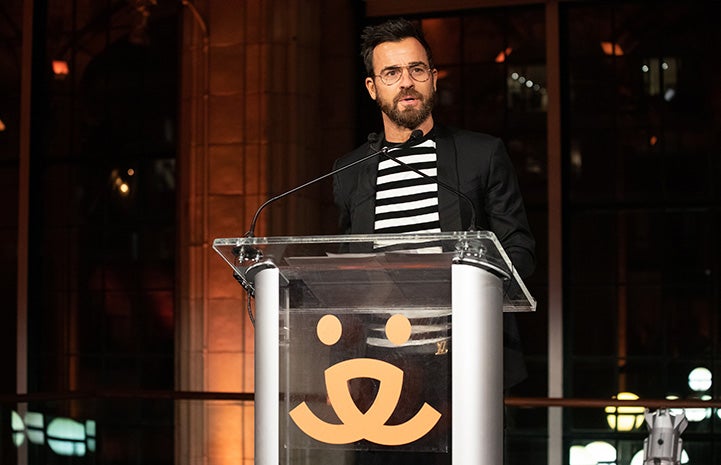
column 466, row 137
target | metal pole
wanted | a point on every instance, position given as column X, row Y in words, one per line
column 555, row 231
column 21, row 369
column 267, row 367
column 477, row 366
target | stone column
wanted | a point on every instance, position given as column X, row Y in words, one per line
column 256, row 119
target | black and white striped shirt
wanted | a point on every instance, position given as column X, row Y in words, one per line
column 407, row 202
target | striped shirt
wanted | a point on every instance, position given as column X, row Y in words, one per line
column 407, row 202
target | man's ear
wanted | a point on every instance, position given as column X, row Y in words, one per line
column 371, row 87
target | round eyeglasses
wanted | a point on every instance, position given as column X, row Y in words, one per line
column 393, row 74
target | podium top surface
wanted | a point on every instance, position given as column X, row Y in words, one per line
column 357, row 261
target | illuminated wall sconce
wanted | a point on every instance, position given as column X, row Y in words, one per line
column 611, row 48
column 60, row 69
column 624, row 418
column 503, row 54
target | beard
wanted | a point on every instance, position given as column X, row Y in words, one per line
column 409, row 118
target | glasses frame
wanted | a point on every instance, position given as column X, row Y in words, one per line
column 408, row 68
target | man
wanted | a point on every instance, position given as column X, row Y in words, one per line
column 380, row 196
column 402, row 81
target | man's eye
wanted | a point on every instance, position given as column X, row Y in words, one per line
column 391, row 72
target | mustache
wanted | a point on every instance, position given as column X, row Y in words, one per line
column 407, row 93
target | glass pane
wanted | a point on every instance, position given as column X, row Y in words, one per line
column 593, row 325
column 642, row 213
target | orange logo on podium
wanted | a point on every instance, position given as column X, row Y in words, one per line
column 370, row 425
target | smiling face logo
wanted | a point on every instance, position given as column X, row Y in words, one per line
column 371, row 424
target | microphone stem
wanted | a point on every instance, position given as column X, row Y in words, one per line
column 472, row 227
column 251, row 231
column 413, row 137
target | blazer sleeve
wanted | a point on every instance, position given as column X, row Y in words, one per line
column 505, row 211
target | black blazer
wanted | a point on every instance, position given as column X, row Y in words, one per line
column 475, row 164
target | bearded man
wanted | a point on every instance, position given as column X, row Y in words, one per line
column 382, row 196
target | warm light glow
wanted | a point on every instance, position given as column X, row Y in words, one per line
column 442, row 74
column 501, row 57
column 624, row 418
column 131, row 171
column 653, row 140
column 2, row 126
column 60, row 68
column 119, row 183
column 611, row 49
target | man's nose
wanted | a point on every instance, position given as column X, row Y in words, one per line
column 406, row 79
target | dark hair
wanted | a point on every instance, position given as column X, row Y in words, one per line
column 393, row 30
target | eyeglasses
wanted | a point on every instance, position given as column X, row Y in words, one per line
column 393, row 74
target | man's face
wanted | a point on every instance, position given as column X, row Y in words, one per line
column 406, row 103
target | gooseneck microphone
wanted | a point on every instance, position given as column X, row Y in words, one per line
column 372, row 138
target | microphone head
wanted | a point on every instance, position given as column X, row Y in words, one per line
column 374, row 140
column 417, row 134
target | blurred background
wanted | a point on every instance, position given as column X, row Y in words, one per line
column 134, row 132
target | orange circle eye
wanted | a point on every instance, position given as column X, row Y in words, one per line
column 329, row 329
column 398, row 329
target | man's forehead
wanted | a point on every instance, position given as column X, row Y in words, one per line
column 401, row 53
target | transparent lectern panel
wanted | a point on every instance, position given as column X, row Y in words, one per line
column 361, row 382
column 365, row 356
column 370, row 280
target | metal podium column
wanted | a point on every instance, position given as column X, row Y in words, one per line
column 267, row 366
column 477, row 366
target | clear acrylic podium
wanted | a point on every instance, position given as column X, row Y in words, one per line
column 360, row 352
